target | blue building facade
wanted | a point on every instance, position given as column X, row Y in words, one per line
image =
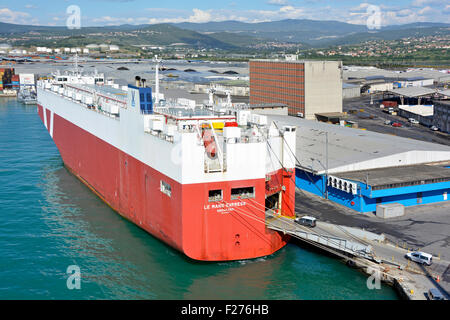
column 366, row 199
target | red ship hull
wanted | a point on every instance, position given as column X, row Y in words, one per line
column 230, row 230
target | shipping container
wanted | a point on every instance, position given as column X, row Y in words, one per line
column 387, row 103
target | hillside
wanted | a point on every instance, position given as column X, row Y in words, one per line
column 318, row 33
column 158, row 34
column 226, row 35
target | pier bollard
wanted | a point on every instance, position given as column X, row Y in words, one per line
column 412, row 291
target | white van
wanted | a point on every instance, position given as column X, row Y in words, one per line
column 420, row 257
column 306, row 221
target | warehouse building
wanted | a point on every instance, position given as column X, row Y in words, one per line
column 417, row 76
column 413, row 82
column 441, row 115
column 363, row 169
column 350, row 91
column 422, row 113
column 307, row 87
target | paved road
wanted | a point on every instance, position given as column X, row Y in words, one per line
column 423, row 227
column 413, row 131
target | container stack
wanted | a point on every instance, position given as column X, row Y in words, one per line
column 7, row 77
column 15, row 82
column 2, row 72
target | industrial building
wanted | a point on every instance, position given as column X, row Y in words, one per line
column 414, row 82
column 307, row 87
column 441, row 116
column 364, row 169
column 269, row 109
column 412, row 95
column 350, row 91
column 417, row 76
column 422, row 113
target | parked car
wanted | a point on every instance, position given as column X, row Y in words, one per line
column 387, row 122
column 434, row 128
column 306, row 221
column 397, row 124
column 435, row 294
column 413, row 121
column 420, row 257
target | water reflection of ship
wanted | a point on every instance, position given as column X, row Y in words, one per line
column 99, row 241
column 96, row 239
column 256, row 276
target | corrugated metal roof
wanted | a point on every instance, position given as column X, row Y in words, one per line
column 396, row 175
column 377, row 77
column 353, row 149
column 413, row 92
column 349, row 85
column 361, row 73
column 415, row 78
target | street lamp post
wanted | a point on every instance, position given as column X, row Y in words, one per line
column 325, row 188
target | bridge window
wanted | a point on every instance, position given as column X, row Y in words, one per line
column 166, row 188
column 242, row 193
column 215, row 195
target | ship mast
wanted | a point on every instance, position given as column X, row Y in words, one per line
column 157, row 61
column 75, row 59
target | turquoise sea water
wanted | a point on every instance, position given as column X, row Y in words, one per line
column 49, row 221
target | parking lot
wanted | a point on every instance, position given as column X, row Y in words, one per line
column 378, row 118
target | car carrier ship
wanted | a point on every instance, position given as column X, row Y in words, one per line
column 199, row 178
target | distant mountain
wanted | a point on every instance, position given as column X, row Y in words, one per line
column 316, row 33
column 228, row 35
column 287, row 25
column 158, row 34
column 390, row 34
column 9, row 28
column 417, row 25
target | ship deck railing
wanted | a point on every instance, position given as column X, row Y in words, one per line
column 91, row 107
column 161, row 135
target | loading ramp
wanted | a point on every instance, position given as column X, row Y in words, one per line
column 319, row 237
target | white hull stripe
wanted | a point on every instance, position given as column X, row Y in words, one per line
column 44, row 113
column 51, row 123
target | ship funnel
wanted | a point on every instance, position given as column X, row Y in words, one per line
column 143, row 81
column 138, row 81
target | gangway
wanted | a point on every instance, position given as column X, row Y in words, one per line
column 318, row 237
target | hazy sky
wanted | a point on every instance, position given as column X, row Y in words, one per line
column 115, row 12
